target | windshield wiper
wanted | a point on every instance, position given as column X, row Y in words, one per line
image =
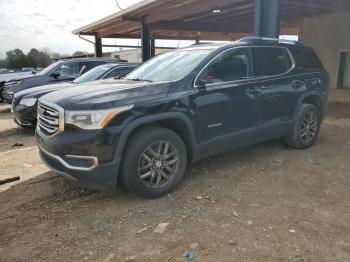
column 140, row 80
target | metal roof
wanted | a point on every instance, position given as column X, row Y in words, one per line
column 203, row 19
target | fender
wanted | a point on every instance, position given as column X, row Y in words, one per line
column 304, row 96
column 153, row 118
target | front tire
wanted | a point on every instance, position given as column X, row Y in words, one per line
column 306, row 128
column 154, row 163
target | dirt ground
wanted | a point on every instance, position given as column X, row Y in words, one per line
column 262, row 203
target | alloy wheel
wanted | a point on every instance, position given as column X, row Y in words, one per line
column 158, row 164
column 309, row 126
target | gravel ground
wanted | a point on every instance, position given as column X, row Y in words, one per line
column 262, row 203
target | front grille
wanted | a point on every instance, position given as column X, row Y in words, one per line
column 48, row 119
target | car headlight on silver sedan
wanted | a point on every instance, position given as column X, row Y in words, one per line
column 28, row 101
column 93, row 119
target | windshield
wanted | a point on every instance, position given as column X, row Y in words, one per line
column 49, row 68
column 169, row 66
column 92, row 75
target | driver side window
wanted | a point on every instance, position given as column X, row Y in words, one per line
column 232, row 65
column 69, row 69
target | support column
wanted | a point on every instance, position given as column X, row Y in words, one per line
column 267, row 18
column 98, row 46
column 145, row 42
column 153, row 47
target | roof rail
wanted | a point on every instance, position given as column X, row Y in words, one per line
column 255, row 40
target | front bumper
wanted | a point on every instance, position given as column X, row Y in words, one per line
column 25, row 116
column 86, row 156
column 103, row 176
column 7, row 97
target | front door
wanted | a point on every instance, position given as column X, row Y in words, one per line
column 228, row 97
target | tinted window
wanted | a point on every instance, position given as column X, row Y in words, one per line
column 118, row 72
column 273, row 60
column 90, row 65
column 231, row 65
column 307, row 59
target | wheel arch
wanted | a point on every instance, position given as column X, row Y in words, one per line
column 176, row 122
column 312, row 98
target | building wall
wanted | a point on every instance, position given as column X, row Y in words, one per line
column 328, row 35
column 133, row 55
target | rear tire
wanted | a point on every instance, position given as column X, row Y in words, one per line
column 154, row 163
column 306, row 128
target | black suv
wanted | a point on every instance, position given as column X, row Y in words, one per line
column 182, row 106
column 61, row 71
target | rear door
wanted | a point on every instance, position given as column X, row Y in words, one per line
column 280, row 85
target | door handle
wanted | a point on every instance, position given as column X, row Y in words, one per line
column 296, row 84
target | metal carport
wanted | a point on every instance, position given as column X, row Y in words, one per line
column 206, row 20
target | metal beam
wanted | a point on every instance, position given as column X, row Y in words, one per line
column 187, row 8
column 153, row 47
column 267, row 20
column 145, row 42
column 136, row 46
column 202, row 27
column 333, row 5
column 98, row 46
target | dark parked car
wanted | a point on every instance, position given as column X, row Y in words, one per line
column 61, row 71
column 182, row 106
column 24, row 103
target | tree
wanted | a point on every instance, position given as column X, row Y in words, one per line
column 2, row 63
column 37, row 58
column 33, row 58
column 79, row 53
column 16, row 59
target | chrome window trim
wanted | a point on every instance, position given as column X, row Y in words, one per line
column 195, row 86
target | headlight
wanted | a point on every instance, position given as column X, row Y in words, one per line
column 94, row 119
column 12, row 83
column 28, row 101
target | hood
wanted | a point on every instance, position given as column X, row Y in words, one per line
column 39, row 91
column 107, row 94
column 14, row 76
column 20, row 78
column 24, row 82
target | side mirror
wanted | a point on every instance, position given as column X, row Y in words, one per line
column 55, row 74
column 201, row 85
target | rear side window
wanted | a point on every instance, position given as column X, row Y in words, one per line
column 307, row 59
column 90, row 65
column 272, row 61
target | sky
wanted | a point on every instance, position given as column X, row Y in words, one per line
column 48, row 23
